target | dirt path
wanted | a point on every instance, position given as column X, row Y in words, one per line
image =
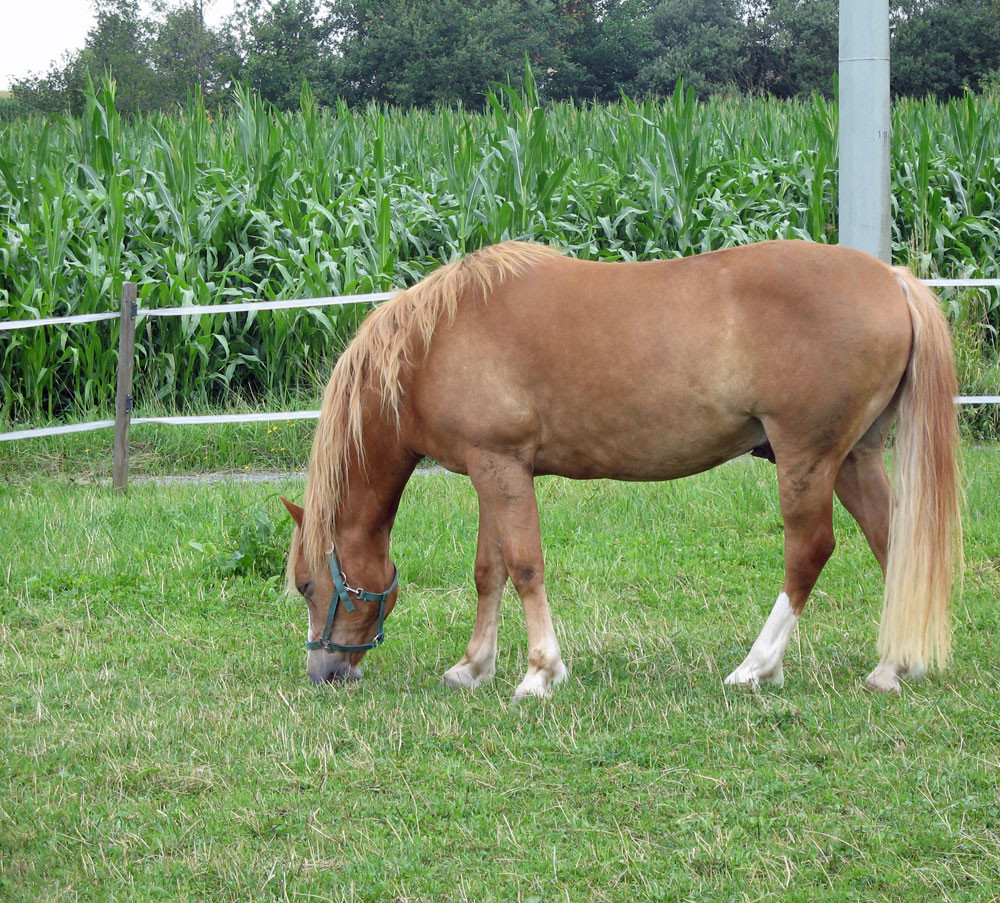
column 242, row 476
column 221, row 476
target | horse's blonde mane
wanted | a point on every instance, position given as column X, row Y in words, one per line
column 385, row 345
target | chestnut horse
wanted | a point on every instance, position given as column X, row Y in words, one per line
column 518, row 361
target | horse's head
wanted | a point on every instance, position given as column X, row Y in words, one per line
column 345, row 621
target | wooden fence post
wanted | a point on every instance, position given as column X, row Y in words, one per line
column 123, row 395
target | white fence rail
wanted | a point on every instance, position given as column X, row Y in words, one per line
column 195, row 310
column 129, row 314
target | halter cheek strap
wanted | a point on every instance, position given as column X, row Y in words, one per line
column 342, row 595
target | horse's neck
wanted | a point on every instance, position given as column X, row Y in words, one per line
column 368, row 510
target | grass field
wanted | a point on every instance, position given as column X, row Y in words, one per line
column 160, row 740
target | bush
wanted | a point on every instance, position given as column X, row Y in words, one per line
column 10, row 107
column 253, row 547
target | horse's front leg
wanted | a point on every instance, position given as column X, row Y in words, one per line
column 507, row 500
column 478, row 664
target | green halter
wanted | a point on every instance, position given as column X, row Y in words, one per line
column 342, row 594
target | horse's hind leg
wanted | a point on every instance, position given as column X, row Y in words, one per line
column 805, row 487
column 863, row 488
column 507, row 501
column 478, row 664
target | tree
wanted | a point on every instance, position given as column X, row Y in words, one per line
column 431, row 52
column 117, row 44
column 805, row 44
column 603, row 45
column 48, row 93
column 186, row 55
column 283, row 43
column 940, row 47
column 440, row 51
column 702, row 42
column 155, row 62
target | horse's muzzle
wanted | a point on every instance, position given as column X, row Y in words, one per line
column 325, row 667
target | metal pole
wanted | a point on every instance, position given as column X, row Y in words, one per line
column 865, row 127
column 123, row 395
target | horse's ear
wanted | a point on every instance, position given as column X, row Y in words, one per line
column 294, row 510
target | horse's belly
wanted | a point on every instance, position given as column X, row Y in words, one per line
column 645, row 449
column 584, row 428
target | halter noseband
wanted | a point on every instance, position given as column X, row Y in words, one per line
column 342, row 594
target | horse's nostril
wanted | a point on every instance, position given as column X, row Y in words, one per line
column 346, row 675
column 342, row 674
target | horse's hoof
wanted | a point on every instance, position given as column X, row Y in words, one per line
column 536, row 688
column 883, row 680
column 748, row 676
column 539, row 682
column 463, row 677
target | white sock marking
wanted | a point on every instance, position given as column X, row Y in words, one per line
column 763, row 662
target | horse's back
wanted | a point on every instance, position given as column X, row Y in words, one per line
column 658, row 369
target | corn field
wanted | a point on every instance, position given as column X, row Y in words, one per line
column 200, row 207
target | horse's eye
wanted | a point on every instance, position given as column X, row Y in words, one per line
column 304, row 588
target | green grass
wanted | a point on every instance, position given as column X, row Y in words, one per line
column 161, row 742
column 161, row 449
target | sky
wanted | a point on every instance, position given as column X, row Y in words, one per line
column 36, row 33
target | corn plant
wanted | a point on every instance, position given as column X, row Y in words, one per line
column 205, row 206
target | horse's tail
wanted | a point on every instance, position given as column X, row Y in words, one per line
column 925, row 533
